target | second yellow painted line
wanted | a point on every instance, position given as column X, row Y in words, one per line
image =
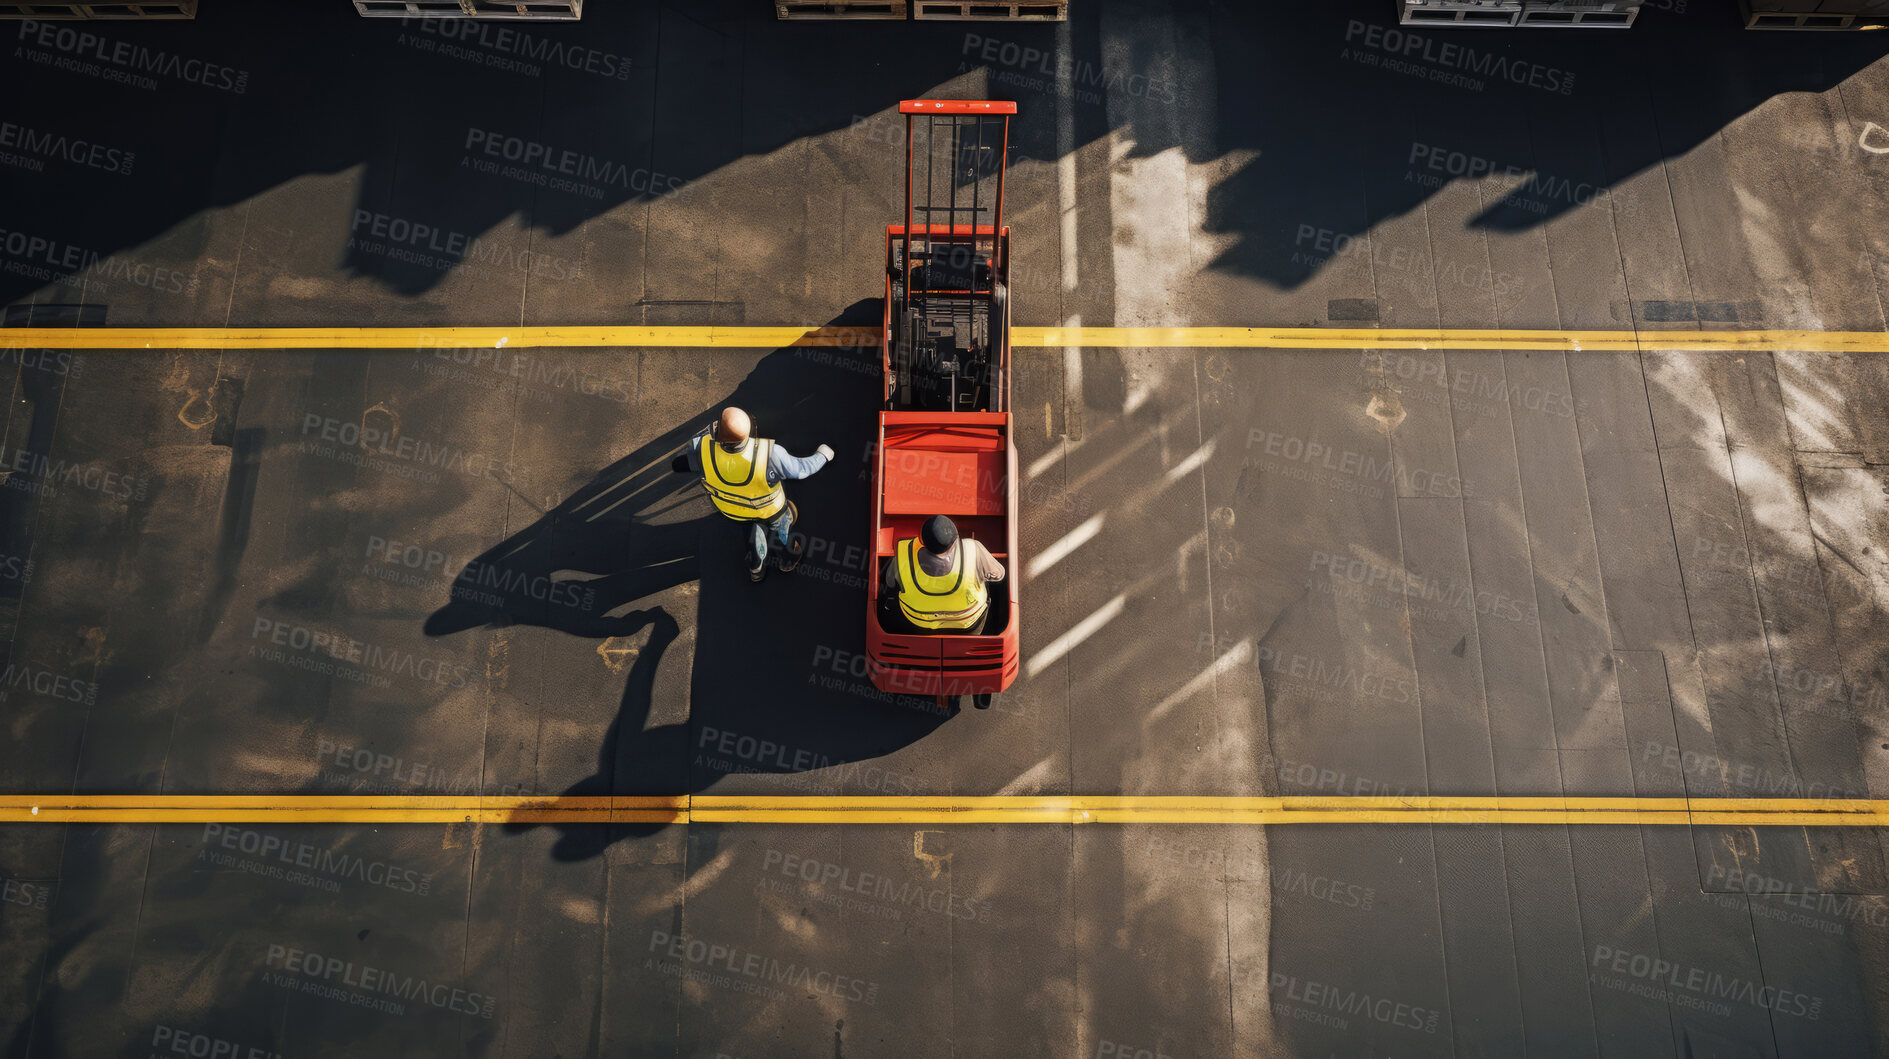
column 697, row 337
column 993, row 809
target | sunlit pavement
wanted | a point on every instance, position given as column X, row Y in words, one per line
column 438, row 564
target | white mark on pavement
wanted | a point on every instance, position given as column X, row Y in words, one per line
column 933, row 860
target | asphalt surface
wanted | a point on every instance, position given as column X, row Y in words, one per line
column 1311, row 571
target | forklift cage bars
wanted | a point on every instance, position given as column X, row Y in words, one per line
column 957, row 116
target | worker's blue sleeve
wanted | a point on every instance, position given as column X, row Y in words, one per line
column 692, row 456
column 782, row 464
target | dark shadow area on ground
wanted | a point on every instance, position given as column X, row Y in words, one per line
column 63, row 992
column 1327, row 103
column 639, row 529
column 1380, row 118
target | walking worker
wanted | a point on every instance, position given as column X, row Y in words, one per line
column 940, row 587
column 743, row 476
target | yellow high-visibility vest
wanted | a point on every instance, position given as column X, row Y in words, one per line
column 737, row 481
column 954, row 601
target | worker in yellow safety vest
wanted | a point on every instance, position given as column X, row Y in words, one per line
column 940, row 587
column 743, row 476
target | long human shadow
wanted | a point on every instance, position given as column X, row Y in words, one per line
column 773, row 687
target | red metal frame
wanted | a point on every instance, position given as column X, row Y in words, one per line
column 945, row 664
column 957, row 444
column 957, row 106
column 973, row 107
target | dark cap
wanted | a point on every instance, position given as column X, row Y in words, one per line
column 939, row 534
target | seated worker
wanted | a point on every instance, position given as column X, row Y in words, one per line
column 938, row 588
column 726, row 456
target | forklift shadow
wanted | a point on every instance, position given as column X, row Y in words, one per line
column 769, row 685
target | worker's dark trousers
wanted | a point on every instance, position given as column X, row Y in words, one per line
column 771, row 538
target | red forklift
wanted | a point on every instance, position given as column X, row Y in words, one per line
column 945, row 436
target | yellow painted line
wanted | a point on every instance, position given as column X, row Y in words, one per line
column 943, row 809
column 1446, row 339
column 629, row 337
column 408, row 338
column 332, row 809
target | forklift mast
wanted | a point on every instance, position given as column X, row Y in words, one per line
column 949, row 311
